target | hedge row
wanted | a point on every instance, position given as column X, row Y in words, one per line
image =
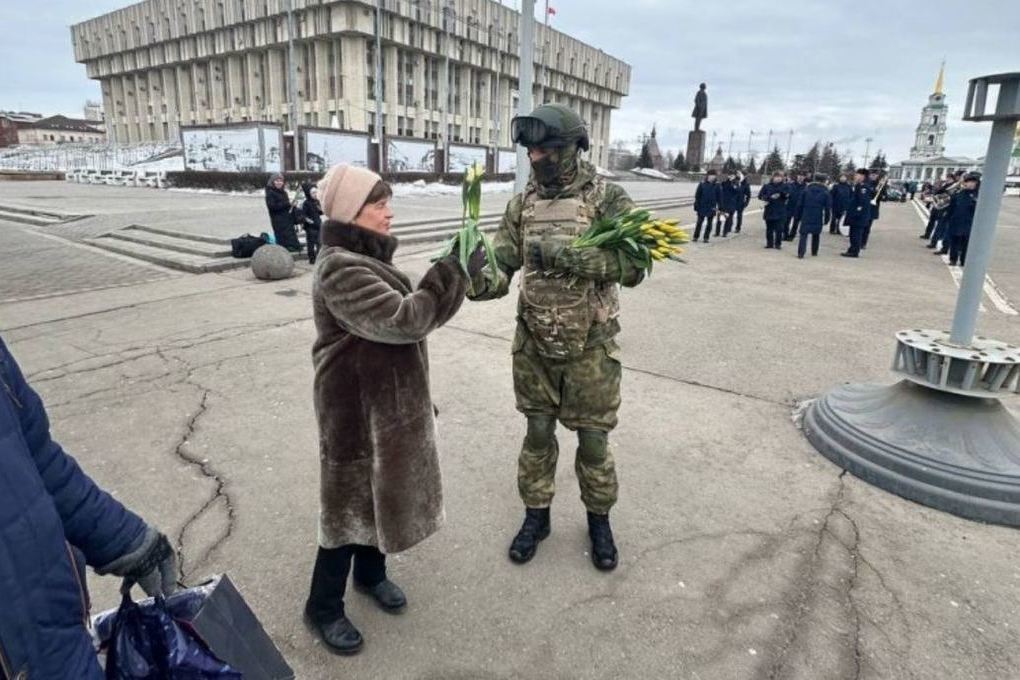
column 255, row 181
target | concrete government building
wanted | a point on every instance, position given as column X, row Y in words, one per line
column 167, row 63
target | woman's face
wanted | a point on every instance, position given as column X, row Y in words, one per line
column 375, row 217
column 278, row 182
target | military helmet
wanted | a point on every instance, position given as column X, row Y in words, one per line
column 550, row 125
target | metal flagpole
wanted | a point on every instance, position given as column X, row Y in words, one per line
column 525, row 100
column 378, row 81
column 292, row 80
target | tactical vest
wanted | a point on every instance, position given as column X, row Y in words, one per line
column 558, row 309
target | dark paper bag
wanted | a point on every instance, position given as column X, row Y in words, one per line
column 217, row 614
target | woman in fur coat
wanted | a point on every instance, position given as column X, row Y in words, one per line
column 380, row 486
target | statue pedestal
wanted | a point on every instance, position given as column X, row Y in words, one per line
column 695, row 149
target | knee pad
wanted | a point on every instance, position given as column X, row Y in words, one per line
column 592, row 446
column 541, row 432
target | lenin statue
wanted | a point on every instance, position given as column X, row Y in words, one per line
column 700, row 107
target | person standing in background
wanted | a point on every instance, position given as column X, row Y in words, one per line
column 774, row 193
column 311, row 211
column 812, row 212
column 281, row 214
column 706, row 204
column 840, row 195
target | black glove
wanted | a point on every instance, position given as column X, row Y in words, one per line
column 152, row 565
column 477, row 261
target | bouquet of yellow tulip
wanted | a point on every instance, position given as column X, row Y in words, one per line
column 638, row 236
column 469, row 236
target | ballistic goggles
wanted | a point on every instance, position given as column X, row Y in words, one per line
column 529, row 131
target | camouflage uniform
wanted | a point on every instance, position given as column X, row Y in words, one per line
column 565, row 360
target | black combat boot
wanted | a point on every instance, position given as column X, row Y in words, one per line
column 603, row 549
column 534, row 529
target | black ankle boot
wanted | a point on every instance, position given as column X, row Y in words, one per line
column 339, row 635
column 534, row 529
column 603, row 549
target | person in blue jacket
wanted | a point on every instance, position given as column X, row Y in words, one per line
column 813, row 211
column 53, row 521
column 706, row 204
column 858, row 215
column 961, row 218
column 774, row 193
column 840, row 196
column 729, row 200
column 745, row 199
column 796, row 190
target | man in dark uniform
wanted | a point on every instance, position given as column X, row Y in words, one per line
column 812, row 212
column 878, row 190
column 928, row 196
column 729, row 200
column 840, row 195
column 961, row 218
column 858, row 215
column 795, row 191
column 745, row 199
column 706, row 204
column 774, row 194
column 940, row 224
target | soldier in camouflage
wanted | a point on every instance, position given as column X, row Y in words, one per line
column 566, row 363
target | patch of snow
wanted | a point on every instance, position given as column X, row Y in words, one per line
column 649, row 172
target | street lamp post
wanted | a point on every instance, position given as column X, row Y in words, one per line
column 941, row 436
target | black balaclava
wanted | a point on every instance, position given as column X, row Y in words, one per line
column 556, row 170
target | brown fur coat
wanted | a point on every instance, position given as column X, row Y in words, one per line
column 380, row 482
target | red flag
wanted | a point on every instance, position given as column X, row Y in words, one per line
column 552, row 10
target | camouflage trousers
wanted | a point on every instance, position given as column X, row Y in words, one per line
column 583, row 394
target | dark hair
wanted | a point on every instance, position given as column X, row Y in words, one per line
column 862, row 171
column 380, row 191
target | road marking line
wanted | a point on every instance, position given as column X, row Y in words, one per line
column 992, row 290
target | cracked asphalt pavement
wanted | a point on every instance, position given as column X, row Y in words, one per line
column 744, row 554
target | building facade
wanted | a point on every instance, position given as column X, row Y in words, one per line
column 22, row 128
column 162, row 64
column 928, row 160
column 929, row 139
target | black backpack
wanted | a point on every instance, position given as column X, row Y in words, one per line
column 245, row 246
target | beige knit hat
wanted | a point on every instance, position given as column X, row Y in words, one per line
column 344, row 190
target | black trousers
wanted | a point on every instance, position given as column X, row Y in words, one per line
column 312, row 242
column 958, row 249
column 329, row 578
column 866, row 234
column 940, row 234
column 792, row 224
column 856, row 234
column 702, row 219
column 774, row 232
column 802, row 246
column 933, row 220
column 837, row 217
column 727, row 223
column 286, row 237
column 740, row 219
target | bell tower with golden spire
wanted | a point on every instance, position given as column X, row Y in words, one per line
column 931, row 132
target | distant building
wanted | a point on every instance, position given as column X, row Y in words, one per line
column 927, row 160
column 22, row 128
column 654, row 153
column 94, row 113
column 163, row 64
column 1014, row 161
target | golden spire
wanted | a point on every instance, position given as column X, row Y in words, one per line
column 941, row 79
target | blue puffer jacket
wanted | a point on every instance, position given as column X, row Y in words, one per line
column 53, row 520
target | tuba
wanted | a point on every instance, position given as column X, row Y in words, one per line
column 940, row 201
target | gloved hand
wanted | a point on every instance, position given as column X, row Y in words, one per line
column 542, row 255
column 477, row 261
column 152, row 565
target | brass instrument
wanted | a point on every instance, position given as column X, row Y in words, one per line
column 940, row 201
column 878, row 190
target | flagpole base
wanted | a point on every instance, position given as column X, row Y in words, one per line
column 948, row 451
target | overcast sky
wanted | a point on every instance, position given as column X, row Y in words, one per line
column 828, row 69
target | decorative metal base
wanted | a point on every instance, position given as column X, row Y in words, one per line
column 951, row 452
column 985, row 368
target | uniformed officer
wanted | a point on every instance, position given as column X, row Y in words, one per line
column 858, row 215
column 566, row 362
column 795, row 191
column 745, row 199
column 840, row 195
column 706, row 204
column 775, row 197
column 960, row 219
